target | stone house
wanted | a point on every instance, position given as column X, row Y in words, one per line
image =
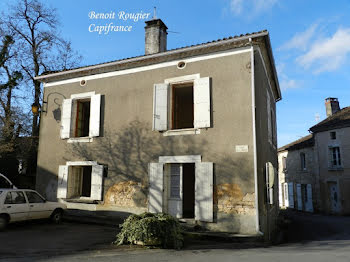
column 188, row 131
column 314, row 172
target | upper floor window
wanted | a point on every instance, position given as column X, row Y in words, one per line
column 284, row 163
column 271, row 120
column 81, row 115
column 182, row 106
column 334, row 157
column 333, row 135
column 302, row 161
column 182, row 103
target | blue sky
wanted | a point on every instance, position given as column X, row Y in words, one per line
column 310, row 41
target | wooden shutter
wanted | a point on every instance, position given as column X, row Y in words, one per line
column 155, row 200
column 280, row 194
column 274, row 127
column 309, row 205
column 299, row 199
column 95, row 112
column 286, row 194
column 66, row 118
column 204, row 192
column 268, row 104
column 96, row 182
column 201, row 100
column 291, row 195
column 270, row 179
column 62, row 182
column 160, row 107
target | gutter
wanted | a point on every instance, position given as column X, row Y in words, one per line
column 257, row 222
column 150, row 57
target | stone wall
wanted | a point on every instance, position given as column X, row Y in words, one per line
column 231, row 200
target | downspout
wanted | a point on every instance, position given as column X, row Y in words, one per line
column 257, row 222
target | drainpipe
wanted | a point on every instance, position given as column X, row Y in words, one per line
column 257, row 225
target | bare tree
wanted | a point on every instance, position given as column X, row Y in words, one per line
column 34, row 27
column 10, row 124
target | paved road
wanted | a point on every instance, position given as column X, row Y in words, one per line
column 41, row 238
column 334, row 251
column 323, row 238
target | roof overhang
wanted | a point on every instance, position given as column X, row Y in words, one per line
column 181, row 53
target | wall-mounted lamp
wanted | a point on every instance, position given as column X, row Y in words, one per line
column 35, row 108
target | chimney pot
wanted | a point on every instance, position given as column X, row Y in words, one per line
column 155, row 36
column 332, row 106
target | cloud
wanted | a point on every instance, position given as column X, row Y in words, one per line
column 251, row 7
column 301, row 40
column 327, row 54
column 285, row 81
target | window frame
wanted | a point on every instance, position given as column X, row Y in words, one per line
column 163, row 106
column 303, row 161
column 335, row 151
column 69, row 117
column 333, row 135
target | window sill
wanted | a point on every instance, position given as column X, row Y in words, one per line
column 180, row 132
column 335, row 168
column 80, row 140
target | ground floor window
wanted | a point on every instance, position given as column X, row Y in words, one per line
column 80, row 180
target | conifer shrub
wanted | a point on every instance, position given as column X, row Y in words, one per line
column 151, row 230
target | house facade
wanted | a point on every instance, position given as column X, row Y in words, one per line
column 190, row 132
column 314, row 172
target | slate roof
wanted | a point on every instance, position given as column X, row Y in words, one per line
column 337, row 120
column 306, row 141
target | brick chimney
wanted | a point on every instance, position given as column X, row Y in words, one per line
column 332, row 105
column 155, row 36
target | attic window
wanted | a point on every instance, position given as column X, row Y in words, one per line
column 181, row 65
column 333, row 135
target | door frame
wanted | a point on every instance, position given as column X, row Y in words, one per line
column 185, row 159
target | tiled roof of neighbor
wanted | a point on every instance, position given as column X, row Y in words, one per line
column 337, row 120
column 306, row 141
column 180, row 48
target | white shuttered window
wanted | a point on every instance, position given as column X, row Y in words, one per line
column 74, row 116
column 189, row 95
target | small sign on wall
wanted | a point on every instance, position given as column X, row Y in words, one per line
column 241, row 148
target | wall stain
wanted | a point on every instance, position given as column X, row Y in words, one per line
column 125, row 194
column 230, row 199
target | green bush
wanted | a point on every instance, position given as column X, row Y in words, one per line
column 151, row 230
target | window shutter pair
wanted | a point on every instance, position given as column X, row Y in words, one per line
column 203, row 190
column 96, row 182
column 67, row 118
column 201, row 101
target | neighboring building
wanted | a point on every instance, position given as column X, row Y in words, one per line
column 297, row 175
column 317, row 170
column 187, row 131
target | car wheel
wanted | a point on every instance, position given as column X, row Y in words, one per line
column 56, row 216
column 3, row 222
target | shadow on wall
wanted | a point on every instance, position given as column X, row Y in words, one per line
column 127, row 153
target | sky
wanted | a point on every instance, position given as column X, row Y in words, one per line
column 310, row 41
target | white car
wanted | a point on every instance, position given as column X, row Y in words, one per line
column 25, row 204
